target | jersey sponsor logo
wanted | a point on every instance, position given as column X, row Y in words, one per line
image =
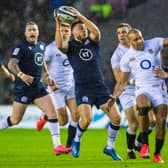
column 85, row 54
column 85, row 99
column 66, row 62
column 16, row 51
column 38, row 59
column 145, row 64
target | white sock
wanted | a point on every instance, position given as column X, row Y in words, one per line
column 55, row 132
column 79, row 133
column 112, row 134
column 73, row 123
column 4, row 123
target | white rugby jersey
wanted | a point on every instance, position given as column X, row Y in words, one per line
column 141, row 63
column 59, row 66
column 117, row 55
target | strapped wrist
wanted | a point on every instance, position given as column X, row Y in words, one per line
column 20, row 74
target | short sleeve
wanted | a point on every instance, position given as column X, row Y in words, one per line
column 124, row 64
column 16, row 52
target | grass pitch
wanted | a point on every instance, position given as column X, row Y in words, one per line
column 27, row 148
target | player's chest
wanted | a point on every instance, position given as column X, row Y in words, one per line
column 144, row 61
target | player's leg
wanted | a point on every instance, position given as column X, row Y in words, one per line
column 127, row 100
column 131, row 131
column 46, row 104
column 59, row 100
column 161, row 114
column 152, row 121
column 71, row 103
column 143, row 106
column 115, row 118
column 18, row 110
column 85, row 112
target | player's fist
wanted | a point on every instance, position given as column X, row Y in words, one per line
column 53, row 85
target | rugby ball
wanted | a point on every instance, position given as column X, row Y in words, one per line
column 65, row 14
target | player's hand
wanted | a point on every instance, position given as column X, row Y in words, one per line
column 76, row 12
column 27, row 79
column 160, row 73
column 111, row 102
column 52, row 84
column 11, row 77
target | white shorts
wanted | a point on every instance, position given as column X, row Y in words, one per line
column 157, row 94
column 60, row 96
column 127, row 98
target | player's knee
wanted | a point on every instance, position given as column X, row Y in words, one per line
column 143, row 111
column 87, row 121
column 133, row 127
column 63, row 122
column 152, row 123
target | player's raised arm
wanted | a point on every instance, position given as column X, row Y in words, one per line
column 61, row 43
column 95, row 34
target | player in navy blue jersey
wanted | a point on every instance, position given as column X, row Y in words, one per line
column 83, row 54
column 27, row 63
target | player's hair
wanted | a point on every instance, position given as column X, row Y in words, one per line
column 124, row 25
column 65, row 24
column 75, row 23
column 31, row 23
column 133, row 31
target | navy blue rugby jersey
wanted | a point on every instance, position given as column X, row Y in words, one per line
column 31, row 57
column 85, row 60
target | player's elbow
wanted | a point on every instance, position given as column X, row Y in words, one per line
column 9, row 65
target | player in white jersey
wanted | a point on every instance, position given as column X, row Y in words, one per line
column 61, row 71
column 127, row 98
column 140, row 60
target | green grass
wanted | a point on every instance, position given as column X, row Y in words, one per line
column 26, row 148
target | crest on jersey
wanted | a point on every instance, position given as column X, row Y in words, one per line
column 38, row 59
column 85, row 54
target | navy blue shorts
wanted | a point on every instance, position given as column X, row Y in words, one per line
column 93, row 95
column 27, row 94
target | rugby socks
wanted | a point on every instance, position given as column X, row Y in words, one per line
column 112, row 134
column 158, row 145
column 79, row 133
column 130, row 136
column 55, row 131
column 5, row 123
column 71, row 132
column 144, row 137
